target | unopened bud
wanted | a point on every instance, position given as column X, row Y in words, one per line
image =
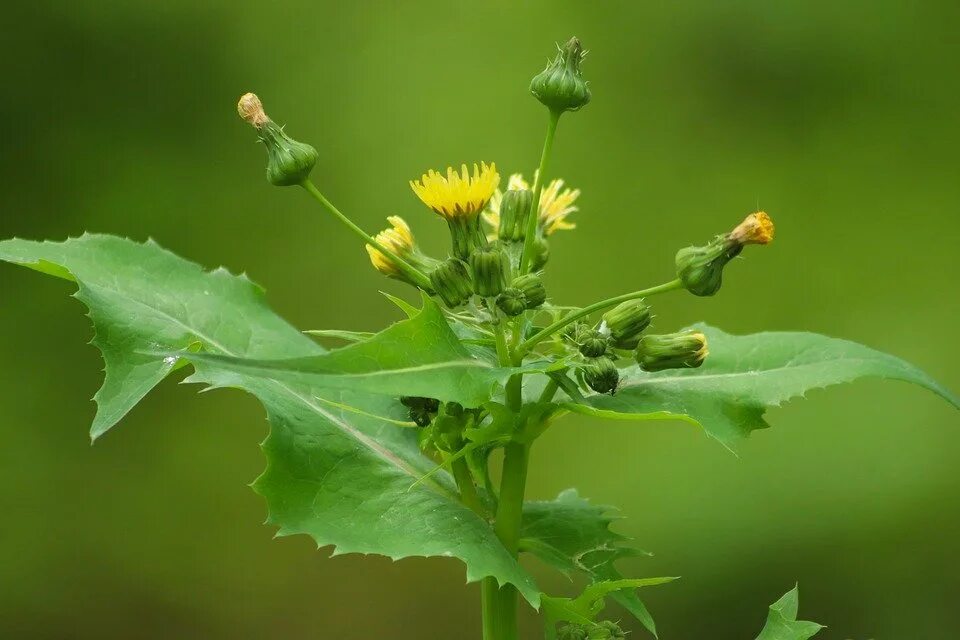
column 531, row 285
column 626, row 322
column 489, row 268
column 572, row 632
column 601, row 375
column 592, row 344
column 514, row 209
column 560, row 87
column 541, row 253
column 422, row 410
column 686, row 349
column 606, row 630
column 512, row 302
column 451, row 280
column 288, row 162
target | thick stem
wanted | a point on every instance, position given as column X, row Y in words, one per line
column 415, row 275
column 503, row 604
column 533, row 216
column 524, row 347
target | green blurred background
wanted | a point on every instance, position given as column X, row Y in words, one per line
column 838, row 118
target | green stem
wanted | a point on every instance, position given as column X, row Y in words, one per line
column 549, row 391
column 415, row 275
column 534, row 214
column 503, row 353
column 468, row 491
column 503, row 610
column 524, row 347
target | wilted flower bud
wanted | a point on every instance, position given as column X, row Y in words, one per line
column 514, row 209
column 512, row 302
column 560, row 87
column 700, row 269
column 592, row 344
column 626, row 322
column 288, row 162
column 672, row 351
column 489, row 268
column 532, row 288
column 601, row 375
column 451, row 280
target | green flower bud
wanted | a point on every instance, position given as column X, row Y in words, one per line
column 541, row 253
column 512, row 302
column 532, row 288
column 601, row 375
column 489, row 268
column 560, row 87
column 422, row 410
column 451, row 281
column 514, row 209
column 626, row 322
column 592, row 344
column 576, row 330
column 606, row 630
column 288, row 162
column 672, row 351
column 466, row 235
column 572, row 632
column 700, row 269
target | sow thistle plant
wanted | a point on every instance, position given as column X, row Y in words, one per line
column 384, row 445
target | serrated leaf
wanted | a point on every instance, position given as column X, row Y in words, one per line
column 744, row 375
column 340, row 334
column 420, row 356
column 336, row 468
column 570, row 533
column 585, row 608
column 782, row 623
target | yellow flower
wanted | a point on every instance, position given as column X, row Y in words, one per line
column 458, row 194
column 556, row 203
column 398, row 239
column 756, row 228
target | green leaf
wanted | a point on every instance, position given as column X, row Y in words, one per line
column 744, row 375
column 585, row 608
column 340, row 334
column 570, row 533
column 782, row 623
column 421, row 356
column 337, row 469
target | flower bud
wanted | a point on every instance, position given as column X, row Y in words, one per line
column 451, row 280
column 700, row 269
column 606, row 630
column 288, row 162
column 489, row 268
column 512, row 302
column 572, row 632
column 541, row 253
column 685, row 349
column 601, row 375
column 560, row 87
column 592, row 344
column 626, row 322
column 514, row 209
column 531, row 286
column 422, row 410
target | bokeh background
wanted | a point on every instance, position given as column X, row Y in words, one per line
column 838, row 118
